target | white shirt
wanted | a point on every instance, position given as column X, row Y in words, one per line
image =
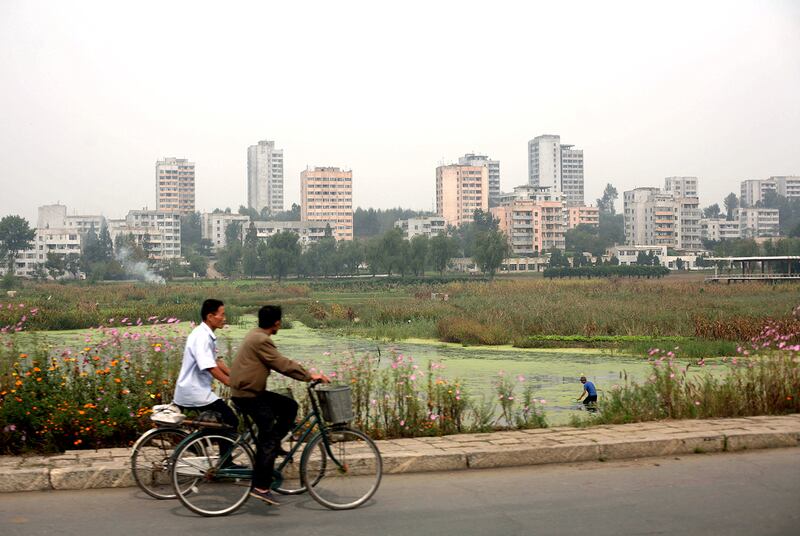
column 193, row 388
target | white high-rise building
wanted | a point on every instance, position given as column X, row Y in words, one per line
column 572, row 175
column 557, row 166
column 265, row 177
column 544, row 162
column 471, row 159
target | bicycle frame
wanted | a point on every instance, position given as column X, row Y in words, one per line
column 312, row 419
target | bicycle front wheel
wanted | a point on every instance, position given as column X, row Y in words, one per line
column 150, row 461
column 212, row 474
column 350, row 471
column 290, row 482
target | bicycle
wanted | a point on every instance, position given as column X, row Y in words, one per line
column 340, row 467
column 151, row 454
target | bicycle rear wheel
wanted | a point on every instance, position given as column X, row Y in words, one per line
column 351, row 471
column 202, row 485
column 150, row 461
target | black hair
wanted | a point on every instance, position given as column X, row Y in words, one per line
column 269, row 315
column 209, row 307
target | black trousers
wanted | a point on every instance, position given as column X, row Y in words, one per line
column 274, row 416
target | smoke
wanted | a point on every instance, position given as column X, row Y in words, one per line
column 137, row 269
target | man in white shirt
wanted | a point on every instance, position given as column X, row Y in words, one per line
column 201, row 366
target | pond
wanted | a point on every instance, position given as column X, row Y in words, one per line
column 554, row 373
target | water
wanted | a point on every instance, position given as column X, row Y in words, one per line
column 554, row 373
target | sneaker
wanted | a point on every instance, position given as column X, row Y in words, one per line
column 265, row 496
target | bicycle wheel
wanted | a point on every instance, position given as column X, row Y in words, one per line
column 150, row 459
column 205, row 488
column 289, row 482
column 351, row 475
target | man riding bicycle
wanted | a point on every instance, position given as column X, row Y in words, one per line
column 201, row 366
column 272, row 413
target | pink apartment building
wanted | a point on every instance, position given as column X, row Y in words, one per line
column 460, row 190
column 582, row 215
column 533, row 227
column 326, row 195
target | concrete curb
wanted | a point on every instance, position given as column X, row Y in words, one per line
column 110, row 468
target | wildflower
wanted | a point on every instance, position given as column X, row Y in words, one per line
column 696, row 402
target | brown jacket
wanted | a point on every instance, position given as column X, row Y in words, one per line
column 255, row 359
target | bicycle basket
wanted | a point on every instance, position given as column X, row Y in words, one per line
column 336, row 404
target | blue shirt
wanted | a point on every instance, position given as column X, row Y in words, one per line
column 590, row 389
column 193, row 388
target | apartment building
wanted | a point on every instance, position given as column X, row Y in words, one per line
column 681, row 186
column 719, row 229
column 460, row 190
column 326, row 195
column 787, row 186
column 557, row 166
column 429, row 227
column 157, row 230
column 758, row 222
column 471, row 159
column 533, row 220
column 309, row 232
column 661, row 218
column 175, row 185
column 582, row 215
column 213, row 226
column 265, row 177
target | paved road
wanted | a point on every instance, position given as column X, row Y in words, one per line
column 748, row 493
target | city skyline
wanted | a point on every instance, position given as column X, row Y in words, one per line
column 89, row 110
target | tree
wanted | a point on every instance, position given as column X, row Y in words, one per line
column 351, row 253
column 15, row 236
column 55, row 265
column 731, row 203
column 557, row 259
column 392, row 253
column 606, row 203
column 191, row 231
column 233, row 232
column 642, row 259
column 491, row 248
column 418, row 253
column 712, row 211
column 442, row 248
column 72, row 264
column 283, row 253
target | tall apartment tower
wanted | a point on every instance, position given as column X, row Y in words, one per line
column 326, row 195
column 175, row 185
column 572, row 175
column 471, row 159
column 460, row 190
column 544, row 162
column 557, row 166
column 265, row 177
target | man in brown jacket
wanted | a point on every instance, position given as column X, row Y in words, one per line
column 272, row 413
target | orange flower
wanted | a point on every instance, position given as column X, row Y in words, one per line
column 18, row 383
column 37, row 369
column 149, row 382
column 23, row 356
column 118, row 380
column 38, row 379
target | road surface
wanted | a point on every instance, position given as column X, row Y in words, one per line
column 752, row 493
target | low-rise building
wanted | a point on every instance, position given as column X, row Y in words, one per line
column 429, row 227
column 158, row 231
column 758, row 222
column 214, row 225
column 308, row 232
column 719, row 229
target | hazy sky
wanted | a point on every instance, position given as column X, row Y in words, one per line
column 94, row 93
